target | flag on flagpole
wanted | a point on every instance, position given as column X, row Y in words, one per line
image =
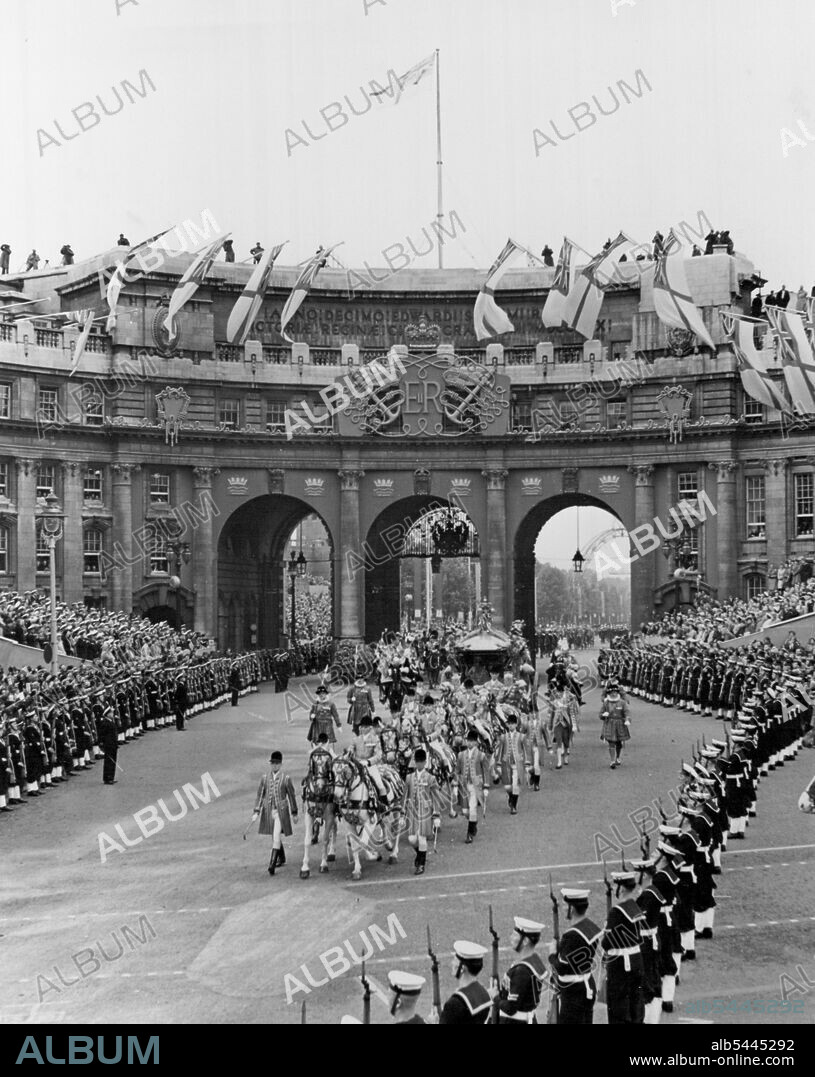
column 302, row 287
column 552, row 313
column 489, row 319
column 117, row 281
column 673, row 302
column 753, row 364
column 412, row 77
column 581, row 308
column 192, row 280
column 249, row 301
column 796, row 357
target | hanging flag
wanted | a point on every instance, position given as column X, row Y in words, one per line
column 552, row 313
column 85, row 318
column 489, row 319
column 302, row 287
column 673, row 302
column 192, row 280
column 249, row 301
column 753, row 364
column 117, row 281
column 796, row 357
column 581, row 308
column 413, row 77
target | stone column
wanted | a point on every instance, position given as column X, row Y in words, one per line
column 496, row 559
column 72, row 533
column 727, row 535
column 26, row 526
column 203, row 551
column 351, row 579
column 643, row 567
column 776, row 506
column 122, row 572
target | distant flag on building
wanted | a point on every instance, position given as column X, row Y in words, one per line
column 392, row 94
column 251, row 298
column 581, row 308
column 117, row 281
column 192, row 280
column 552, row 313
column 673, row 302
column 753, row 363
column 796, row 357
column 489, row 319
column 302, row 287
column 84, row 318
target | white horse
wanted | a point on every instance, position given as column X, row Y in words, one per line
column 806, row 801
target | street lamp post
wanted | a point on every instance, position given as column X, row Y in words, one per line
column 296, row 567
column 181, row 553
column 51, row 521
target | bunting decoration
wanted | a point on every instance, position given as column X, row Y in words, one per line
column 673, row 302
column 489, row 319
column 581, row 307
column 85, row 318
column 796, row 357
column 753, row 364
column 117, row 281
column 552, row 313
column 249, row 301
column 192, row 280
column 302, row 287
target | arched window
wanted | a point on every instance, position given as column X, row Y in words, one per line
column 92, row 545
column 754, row 584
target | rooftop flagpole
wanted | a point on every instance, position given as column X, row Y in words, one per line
column 439, row 201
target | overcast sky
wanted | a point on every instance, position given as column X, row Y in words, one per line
column 230, row 78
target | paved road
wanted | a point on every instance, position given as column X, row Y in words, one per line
column 187, row 926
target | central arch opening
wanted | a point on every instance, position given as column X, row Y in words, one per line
column 552, row 593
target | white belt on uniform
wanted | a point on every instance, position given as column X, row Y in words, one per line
column 578, row 980
column 650, row 933
column 626, row 954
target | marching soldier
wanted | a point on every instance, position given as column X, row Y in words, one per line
column 406, row 988
column 572, row 959
column 360, row 703
column 616, row 722
column 420, row 790
column 473, row 782
column 276, row 805
column 523, row 982
column 622, row 943
column 470, row 1003
column 323, row 717
column 510, row 759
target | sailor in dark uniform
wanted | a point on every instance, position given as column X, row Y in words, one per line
column 471, row 1003
column 521, row 986
column 622, row 943
column 650, row 902
column 572, row 959
column 406, row 989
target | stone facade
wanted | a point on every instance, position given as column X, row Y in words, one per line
column 511, row 433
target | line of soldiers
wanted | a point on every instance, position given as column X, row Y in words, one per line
column 661, row 905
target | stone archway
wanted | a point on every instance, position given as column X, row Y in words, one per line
column 250, row 555
column 380, row 560
column 524, row 551
column 157, row 602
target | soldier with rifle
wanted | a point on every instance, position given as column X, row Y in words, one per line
column 622, row 943
column 521, row 986
column 572, row 959
column 471, row 1003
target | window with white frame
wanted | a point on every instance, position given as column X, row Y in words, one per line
column 92, row 545
column 159, row 559
column 755, row 506
column 159, row 489
column 229, row 413
column 3, row 550
column 754, row 585
column 753, row 410
column 43, row 555
column 5, row 400
column 46, row 480
column 48, row 404
column 93, row 408
column 92, row 484
column 616, row 414
column 687, row 485
column 803, row 503
column 4, row 480
column 275, row 414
